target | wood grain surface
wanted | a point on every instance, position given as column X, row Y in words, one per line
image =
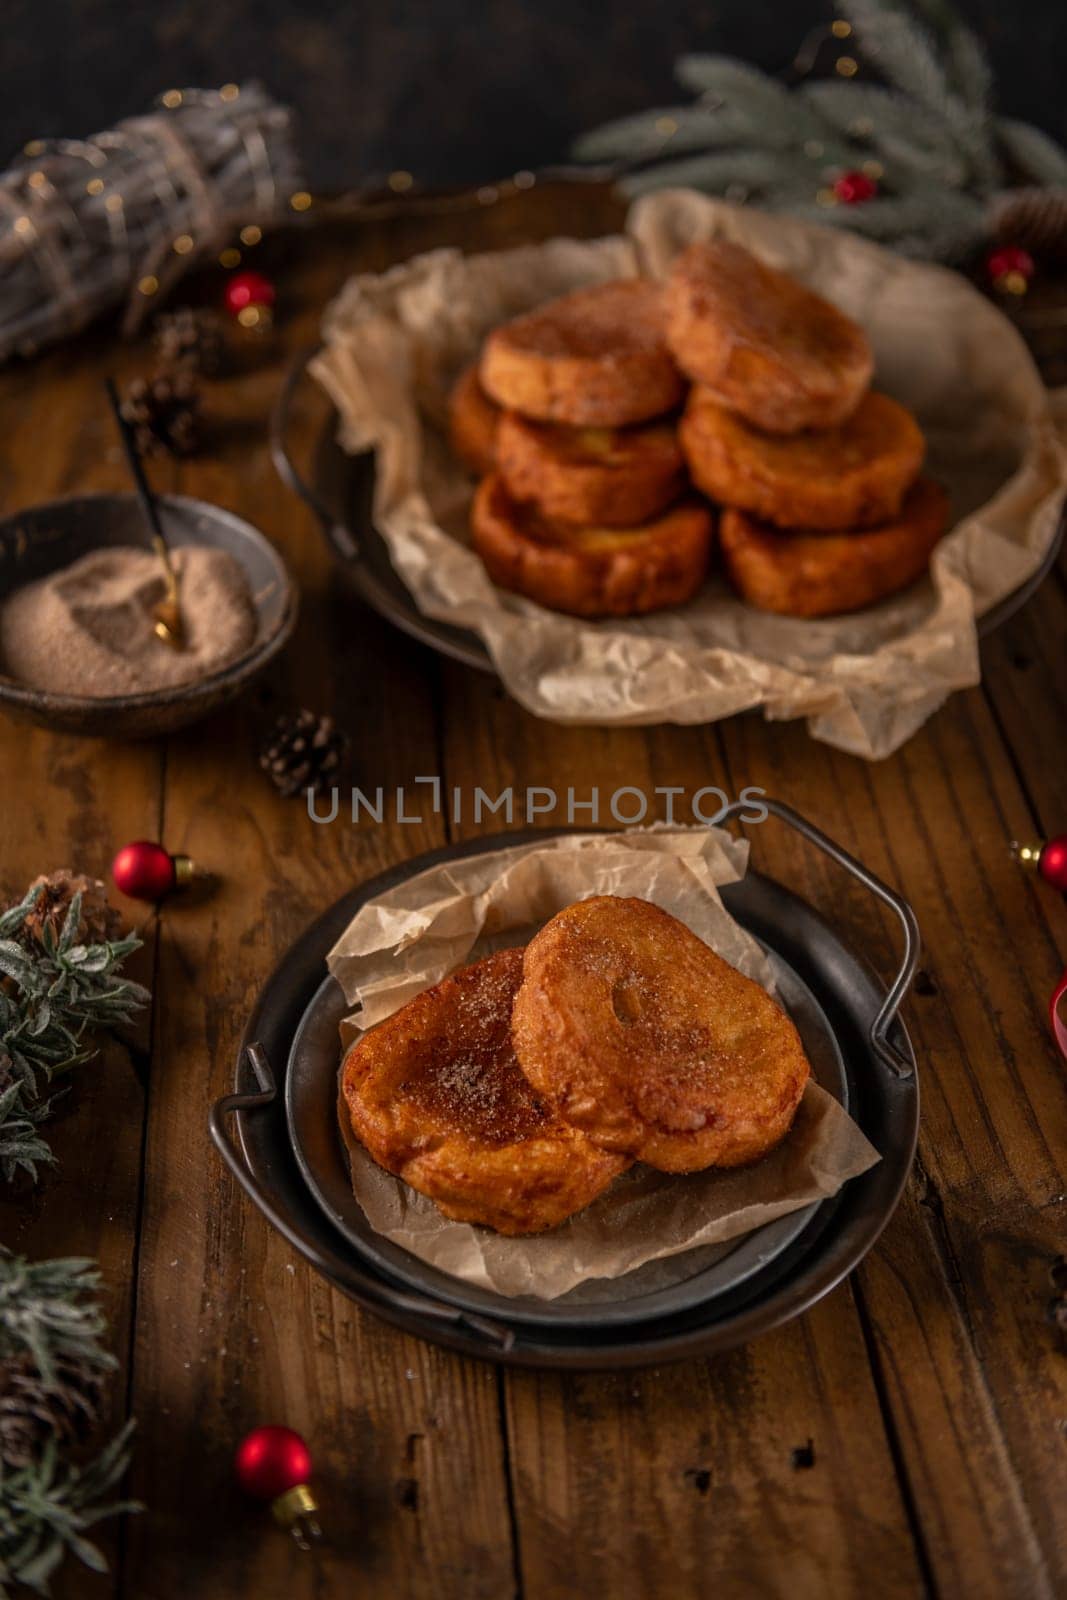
column 904, row 1438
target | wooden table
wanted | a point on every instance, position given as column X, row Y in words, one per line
column 905, row 1437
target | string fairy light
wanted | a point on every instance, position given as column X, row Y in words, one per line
column 87, row 223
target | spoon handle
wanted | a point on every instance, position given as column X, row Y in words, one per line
column 136, row 466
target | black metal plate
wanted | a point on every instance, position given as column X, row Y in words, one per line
column 886, row 1107
column 660, row 1289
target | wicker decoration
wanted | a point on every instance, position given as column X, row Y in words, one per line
column 86, row 224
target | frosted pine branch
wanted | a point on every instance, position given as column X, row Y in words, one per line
column 927, row 129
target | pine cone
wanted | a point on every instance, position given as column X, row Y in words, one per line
column 190, row 340
column 99, row 922
column 164, row 411
column 1035, row 219
column 303, row 752
column 31, row 1411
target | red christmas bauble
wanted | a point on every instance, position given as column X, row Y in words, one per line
column 1010, row 269
column 246, row 289
column 271, row 1461
column 1052, row 862
column 853, row 188
column 1009, row 258
column 144, row 871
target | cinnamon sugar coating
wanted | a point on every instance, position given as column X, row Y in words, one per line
column 765, row 345
column 651, row 1044
column 595, row 358
column 436, row 1096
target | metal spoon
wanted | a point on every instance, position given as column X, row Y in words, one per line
column 167, row 614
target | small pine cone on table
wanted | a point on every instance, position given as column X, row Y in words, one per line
column 1034, row 219
column 164, row 413
column 32, row 1411
column 302, row 752
column 190, row 339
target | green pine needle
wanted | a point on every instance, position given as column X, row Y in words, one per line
column 46, row 1507
column 55, row 998
column 927, row 126
column 49, row 1310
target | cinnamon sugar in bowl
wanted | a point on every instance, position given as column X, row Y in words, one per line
column 241, row 610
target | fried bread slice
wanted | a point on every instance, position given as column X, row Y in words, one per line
column 852, row 476
column 825, row 574
column 436, row 1096
column 614, row 477
column 591, row 572
column 473, row 420
column 595, row 358
column 766, row 346
column 637, row 1033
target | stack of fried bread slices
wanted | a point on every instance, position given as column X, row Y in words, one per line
column 608, row 426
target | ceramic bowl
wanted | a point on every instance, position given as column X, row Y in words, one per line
column 48, row 537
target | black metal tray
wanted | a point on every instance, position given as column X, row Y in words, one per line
column 658, row 1290
column 862, row 1053
column 341, row 493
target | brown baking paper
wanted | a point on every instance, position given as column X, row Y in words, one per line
column 395, row 342
column 414, row 935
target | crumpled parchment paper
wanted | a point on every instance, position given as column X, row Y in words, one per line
column 412, row 936
column 394, row 342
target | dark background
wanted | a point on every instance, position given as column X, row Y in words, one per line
column 450, row 91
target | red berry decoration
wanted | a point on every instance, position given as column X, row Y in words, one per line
column 1052, row 862
column 273, row 1463
column 1049, row 859
column 1010, row 268
column 249, row 298
column 853, row 188
column 145, row 871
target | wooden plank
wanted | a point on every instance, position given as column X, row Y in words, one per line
column 232, row 1328
column 695, row 1479
column 1024, row 673
column 661, row 1480
column 649, row 1483
column 71, row 803
column 955, row 1292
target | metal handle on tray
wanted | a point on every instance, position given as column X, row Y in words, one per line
column 367, row 1288
column 887, row 1052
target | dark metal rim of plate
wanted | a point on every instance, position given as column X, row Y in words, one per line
column 885, row 1102
column 363, row 555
